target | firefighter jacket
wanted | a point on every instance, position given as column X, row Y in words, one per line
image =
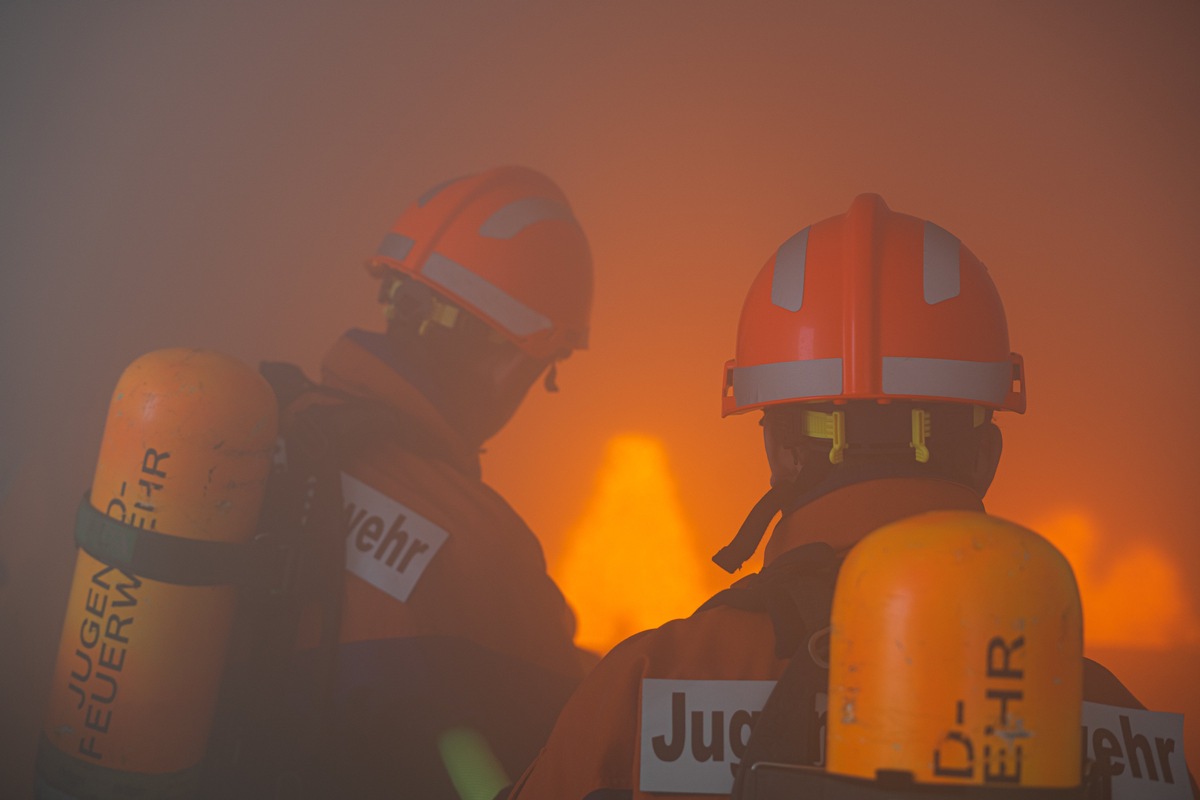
column 669, row 711
column 449, row 619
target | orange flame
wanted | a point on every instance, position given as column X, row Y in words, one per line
column 1133, row 599
column 630, row 563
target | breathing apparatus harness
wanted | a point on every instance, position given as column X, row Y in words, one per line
column 303, row 524
column 840, row 445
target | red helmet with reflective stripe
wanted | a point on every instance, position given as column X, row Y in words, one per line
column 873, row 305
column 505, row 245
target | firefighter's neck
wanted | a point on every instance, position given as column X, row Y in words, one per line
column 845, row 515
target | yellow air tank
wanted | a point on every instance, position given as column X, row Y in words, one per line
column 956, row 656
column 178, row 486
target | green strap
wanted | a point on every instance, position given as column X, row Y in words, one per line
column 473, row 768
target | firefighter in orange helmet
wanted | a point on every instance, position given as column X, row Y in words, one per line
column 875, row 345
column 453, row 648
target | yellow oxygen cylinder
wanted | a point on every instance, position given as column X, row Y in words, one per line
column 956, row 653
column 178, row 488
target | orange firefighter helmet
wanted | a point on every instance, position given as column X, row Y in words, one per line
column 505, row 245
column 873, row 305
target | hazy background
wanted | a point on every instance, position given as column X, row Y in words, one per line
column 213, row 174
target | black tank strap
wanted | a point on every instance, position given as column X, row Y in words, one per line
column 776, row 781
column 287, row 380
column 158, row 556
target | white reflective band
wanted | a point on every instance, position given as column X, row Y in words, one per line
column 787, row 380
column 395, row 246
column 941, row 264
column 507, row 221
column 508, row 312
column 787, row 281
column 982, row 381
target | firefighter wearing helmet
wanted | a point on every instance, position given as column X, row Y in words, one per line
column 875, row 346
column 452, row 649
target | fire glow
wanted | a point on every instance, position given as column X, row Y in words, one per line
column 630, row 562
column 1133, row 598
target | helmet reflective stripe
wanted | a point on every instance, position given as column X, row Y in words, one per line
column 941, row 264
column 931, row 377
column 787, row 380
column 395, row 246
column 787, row 282
column 509, row 220
column 985, row 382
column 513, row 315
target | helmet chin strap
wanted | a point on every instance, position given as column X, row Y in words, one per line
column 782, row 497
column 809, row 484
column 731, row 557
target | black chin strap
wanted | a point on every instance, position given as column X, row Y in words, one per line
column 731, row 557
column 810, row 484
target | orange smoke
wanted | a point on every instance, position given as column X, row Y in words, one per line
column 630, row 562
column 1133, row 594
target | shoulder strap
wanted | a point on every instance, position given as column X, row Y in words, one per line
column 288, row 381
column 303, row 517
column 259, row 741
column 345, row 423
column 797, row 591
